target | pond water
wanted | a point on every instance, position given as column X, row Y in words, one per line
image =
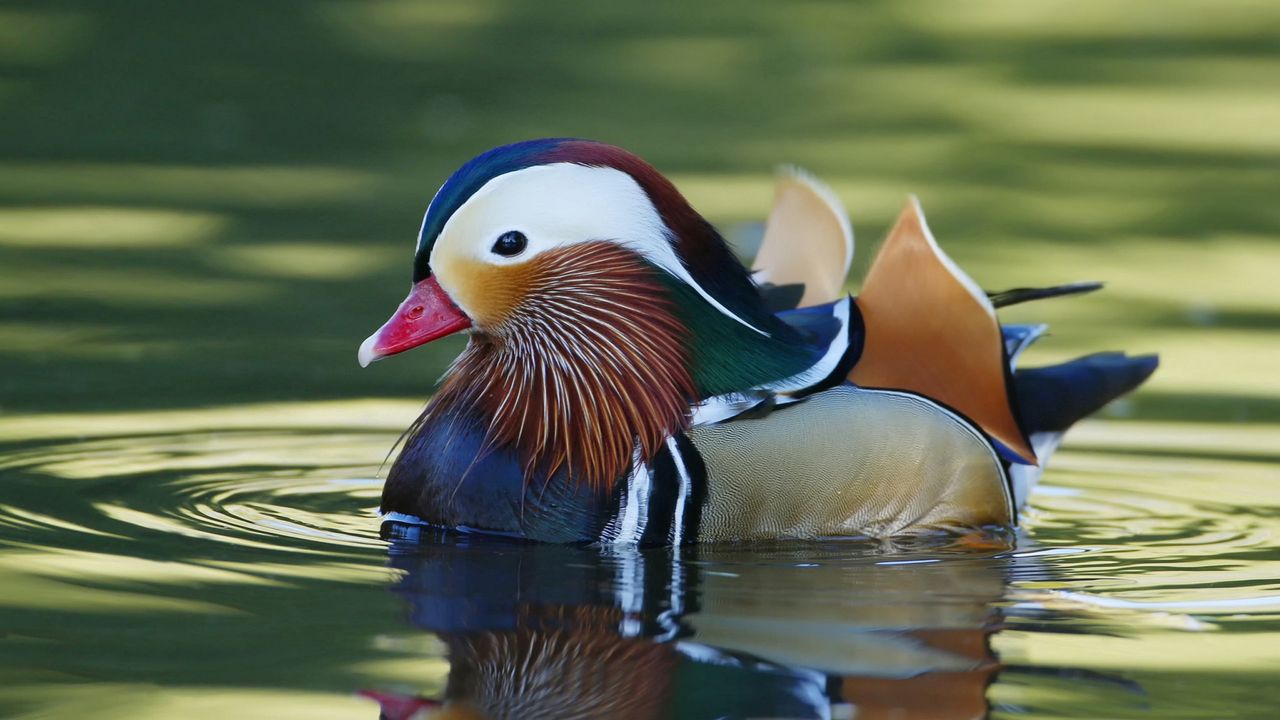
column 227, row 561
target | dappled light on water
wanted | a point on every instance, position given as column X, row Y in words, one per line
column 249, row 535
column 273, row 488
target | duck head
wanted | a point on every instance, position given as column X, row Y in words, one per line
column 519, row 206
column 600, row 304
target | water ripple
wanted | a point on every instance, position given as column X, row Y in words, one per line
column 285, row 490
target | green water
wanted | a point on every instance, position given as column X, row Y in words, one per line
column 204, row 207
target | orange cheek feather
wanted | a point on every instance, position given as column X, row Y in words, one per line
column 487, row 293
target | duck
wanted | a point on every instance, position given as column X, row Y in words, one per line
column 628, row 380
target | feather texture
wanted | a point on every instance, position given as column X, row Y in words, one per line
column 590, row 363
column 1005, row 298
column 808, row 239
column 931, row 331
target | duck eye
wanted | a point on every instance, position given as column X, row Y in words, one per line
column 512, row 242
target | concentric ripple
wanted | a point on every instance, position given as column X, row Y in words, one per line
column 1149, row 553
column 1189, row 533
column 307, row 489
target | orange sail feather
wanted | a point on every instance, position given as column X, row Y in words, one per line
column 931, row 330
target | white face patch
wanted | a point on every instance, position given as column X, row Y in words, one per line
column 555, row 206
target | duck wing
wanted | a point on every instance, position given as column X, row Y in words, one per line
column 931, row 330
column 831, row 334
column 808, row 244
column 848, row 461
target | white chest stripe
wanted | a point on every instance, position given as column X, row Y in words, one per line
column 686, row 488
column 634, row 513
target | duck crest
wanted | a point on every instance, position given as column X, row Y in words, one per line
column 588, row 368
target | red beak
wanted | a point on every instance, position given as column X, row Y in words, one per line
column 426, row 315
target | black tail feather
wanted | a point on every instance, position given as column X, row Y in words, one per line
column 1051, row 399
column 1005, row 298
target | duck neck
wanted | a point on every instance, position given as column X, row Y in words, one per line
column 590, row 369
column 740, row 344
column 735, row 353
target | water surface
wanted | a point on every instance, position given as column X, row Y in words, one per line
column 200, row 563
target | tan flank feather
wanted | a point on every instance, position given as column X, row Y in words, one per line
column 931, row 330
column 807, row 239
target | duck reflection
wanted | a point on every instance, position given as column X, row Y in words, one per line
column 834, row 630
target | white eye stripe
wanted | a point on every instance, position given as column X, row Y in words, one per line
column 564, row 204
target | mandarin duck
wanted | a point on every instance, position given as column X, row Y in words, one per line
column 627, row 380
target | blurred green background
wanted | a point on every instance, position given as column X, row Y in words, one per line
column 206, row 206
column 210, row 203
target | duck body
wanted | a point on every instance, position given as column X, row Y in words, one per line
column 791, row 473
column 628, row 381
